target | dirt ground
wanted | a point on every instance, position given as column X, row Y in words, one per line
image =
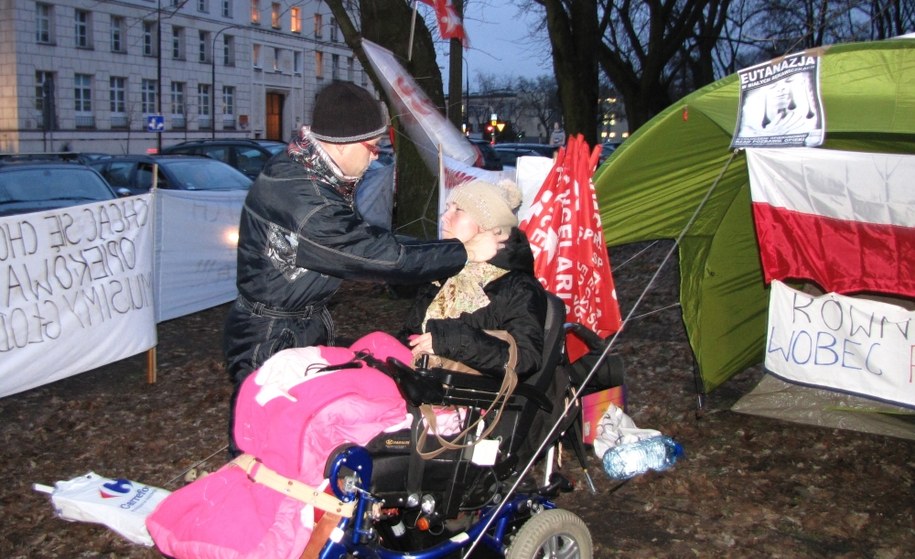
column 747, row 486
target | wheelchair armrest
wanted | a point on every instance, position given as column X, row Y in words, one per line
column 586, row 335
column 459, row 384
column 416, row 386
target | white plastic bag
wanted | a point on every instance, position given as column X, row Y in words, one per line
column 616, row 428
column 119, row 504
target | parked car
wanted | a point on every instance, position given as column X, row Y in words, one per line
column 133, row 174
column 509, row 153
column 546, row 150
column 31, row 186
column 491, row 161
column 79, row 157
column 248, row 156
column 606, row 150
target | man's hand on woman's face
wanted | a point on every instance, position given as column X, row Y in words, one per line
column 485, row 244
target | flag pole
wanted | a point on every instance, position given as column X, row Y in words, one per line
column 412, row 30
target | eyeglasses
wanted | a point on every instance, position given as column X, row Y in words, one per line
column 373, row 149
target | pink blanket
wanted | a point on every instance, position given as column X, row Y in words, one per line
column 290, row 416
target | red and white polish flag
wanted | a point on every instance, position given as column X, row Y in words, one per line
column 450, row 24
column 845, row 220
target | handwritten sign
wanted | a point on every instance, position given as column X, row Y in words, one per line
column 844, row 343
column 75, row 290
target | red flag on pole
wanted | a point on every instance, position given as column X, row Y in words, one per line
column 570, row 256
column 450, row 24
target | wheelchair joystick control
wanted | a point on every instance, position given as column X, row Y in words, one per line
column 424, row 361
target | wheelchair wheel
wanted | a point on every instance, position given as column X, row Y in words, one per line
column 552, row 533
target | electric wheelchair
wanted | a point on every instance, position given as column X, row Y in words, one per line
column 474, row 498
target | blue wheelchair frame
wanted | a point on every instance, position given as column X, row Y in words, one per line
column 356, row 536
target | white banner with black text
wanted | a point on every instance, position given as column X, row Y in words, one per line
column 76, row 290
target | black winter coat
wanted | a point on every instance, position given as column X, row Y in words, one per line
column 517, row 304
column 299, row 238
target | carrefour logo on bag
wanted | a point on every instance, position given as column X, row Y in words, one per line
column 117, row 488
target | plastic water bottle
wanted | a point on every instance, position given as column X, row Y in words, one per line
column 629, row 460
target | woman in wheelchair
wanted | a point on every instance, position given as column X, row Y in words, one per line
column 450, row 319
column 298, row 492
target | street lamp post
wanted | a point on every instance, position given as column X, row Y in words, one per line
column 213, row 79
column 467, row 95
column 159, row 70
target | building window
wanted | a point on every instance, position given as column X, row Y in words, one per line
column 83, row 29
column 149, row 38
column 227, row 8
column 82, row 93
column 82, row 100
column 149, row 92
column 44, row 32
column 277, row 54
column 43, row 81
column 319, row 26
column 275, row 15
column 255, row 12
column 256, row 55
column 297, row 62
column 204, row 47
column 178, row 43
column 117, row 95
column 228, row 107
column 333, row 31
column 228, row 100
column 228, row 50
column 177, row 106
column 44, row 99
column 295, row 19
column 350, row 69
column 203, row 99
column 319, row 65
column 203, row 6
column 118, row 34
column 334, row 65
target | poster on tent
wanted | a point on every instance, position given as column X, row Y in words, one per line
column 780, row 104
column 196, row 272
column 75, row 290
column 853, row 345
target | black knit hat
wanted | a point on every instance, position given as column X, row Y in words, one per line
column 345, row 114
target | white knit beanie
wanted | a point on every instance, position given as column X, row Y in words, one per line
column 490, row 205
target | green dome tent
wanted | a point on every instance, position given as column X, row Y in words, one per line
column 651, row 187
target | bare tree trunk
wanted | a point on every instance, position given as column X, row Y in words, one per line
column 575, row 39
column 455, row 70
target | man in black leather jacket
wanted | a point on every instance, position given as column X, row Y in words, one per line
column 299, row 237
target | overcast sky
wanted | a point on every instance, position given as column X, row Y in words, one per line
column 500, row 42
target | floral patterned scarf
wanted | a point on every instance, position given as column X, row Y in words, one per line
column 463, row 292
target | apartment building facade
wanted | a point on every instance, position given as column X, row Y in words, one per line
column 126, row 76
